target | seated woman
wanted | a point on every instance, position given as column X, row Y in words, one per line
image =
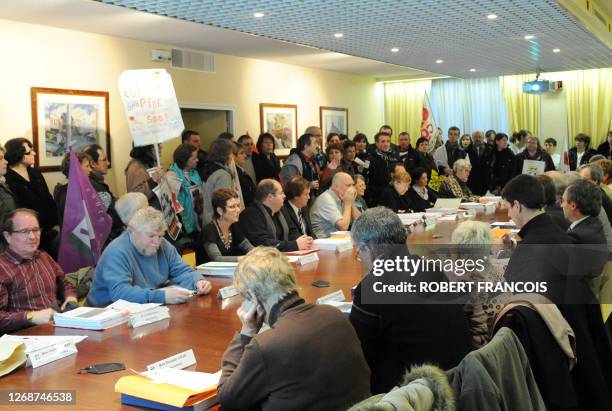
column 360, row 187
column 335, row 164
column 421, row 197
column 222, row 237
column 455, row 186
column 394, row 196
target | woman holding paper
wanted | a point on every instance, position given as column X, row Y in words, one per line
column 533, row 152
column 222, row 237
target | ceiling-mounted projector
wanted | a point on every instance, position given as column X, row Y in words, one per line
column 541, row 86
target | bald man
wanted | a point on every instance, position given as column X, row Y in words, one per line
column 335, row 209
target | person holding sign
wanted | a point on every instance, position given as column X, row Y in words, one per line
column 534, row 153
column 138, row 263
column 137, row 176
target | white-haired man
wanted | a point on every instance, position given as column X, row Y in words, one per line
column 299, row 361
column 335, row 208
column 139, row 262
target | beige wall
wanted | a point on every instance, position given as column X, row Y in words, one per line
column 41, row 56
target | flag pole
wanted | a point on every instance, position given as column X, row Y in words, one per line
column 157, row 154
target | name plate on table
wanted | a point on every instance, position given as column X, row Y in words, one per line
column 470, row 212
column 430, row 221
column 335, row 296
column 50, row 353
column 147, row 317
column 343, row 247
column 179, row 361
column 227, row 292
column 307, row 259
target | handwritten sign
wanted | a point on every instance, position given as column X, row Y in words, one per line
column 150, row 104
column 533, row 167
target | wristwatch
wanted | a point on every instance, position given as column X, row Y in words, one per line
column 30, row 316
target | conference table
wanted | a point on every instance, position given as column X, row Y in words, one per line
column 206, row 324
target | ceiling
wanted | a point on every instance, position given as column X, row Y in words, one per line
column 302, row 32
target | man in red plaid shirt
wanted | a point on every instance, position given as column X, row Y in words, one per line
column 31, row 283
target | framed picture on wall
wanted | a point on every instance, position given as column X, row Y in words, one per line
column 280, row 120
column 67, row 118
column 333, row 120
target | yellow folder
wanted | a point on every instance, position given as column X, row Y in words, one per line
column 12, row 356
column 142, row 387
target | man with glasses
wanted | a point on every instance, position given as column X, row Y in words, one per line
column 264, row 224
column 30, row 281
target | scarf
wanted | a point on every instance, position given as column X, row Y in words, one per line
column 184, row 197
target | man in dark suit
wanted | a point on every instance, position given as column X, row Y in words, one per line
column 382, row 161
column 264, row 224
column 481, row 157
column 295, row 210
column 581, row 204
column 593, row 173
column 538, row 257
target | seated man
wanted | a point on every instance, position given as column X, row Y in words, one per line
column 31, row 283
column 397, row 331
column 264, row 224
column 296, row 210
column 310, row 357
column 139, row 262
column 335, row 208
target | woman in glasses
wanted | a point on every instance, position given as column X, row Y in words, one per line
column 31, row 191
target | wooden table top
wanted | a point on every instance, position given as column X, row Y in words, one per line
column 206, row 324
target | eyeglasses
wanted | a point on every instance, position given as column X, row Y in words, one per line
column 27, row 231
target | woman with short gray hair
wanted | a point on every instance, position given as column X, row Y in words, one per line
column 455, row 186
column 316, row 340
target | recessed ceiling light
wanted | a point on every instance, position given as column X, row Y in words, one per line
column 439, row 61
column 338, row 35
column 472, row 70
column 258, row 15
column 556, row 50
column 394, row 50
column 492, row 16
column 529, row 37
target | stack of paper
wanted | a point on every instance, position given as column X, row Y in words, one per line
column 411, row 218
column 443, row 211
column 43, row 349
column 488, row 208
column 217, row 269
column 141, row 314
column 166, row 387
column 333, row 244
column 90, row 318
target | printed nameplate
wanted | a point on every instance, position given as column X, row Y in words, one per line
column 147, row 317
column 308, row 258
column 179, row 361
column 340, row 248
column 335, row 296
column 51, row 353
column 227, row 292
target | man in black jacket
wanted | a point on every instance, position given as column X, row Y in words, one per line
column 397, row 330
column 382, row 162
column 295, row 210
column 481, row 157
column 264, row 224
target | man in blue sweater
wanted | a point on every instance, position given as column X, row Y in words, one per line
column 140, row 261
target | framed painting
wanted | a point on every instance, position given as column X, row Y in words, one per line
column 67, row 118
column 280, row 120
column 333, row 120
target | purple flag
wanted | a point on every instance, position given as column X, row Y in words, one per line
column 86, row 222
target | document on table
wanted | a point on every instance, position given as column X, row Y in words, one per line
column 191, row 380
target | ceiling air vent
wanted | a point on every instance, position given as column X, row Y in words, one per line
column 192, row 60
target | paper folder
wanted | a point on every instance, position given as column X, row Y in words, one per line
column 141, row 387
